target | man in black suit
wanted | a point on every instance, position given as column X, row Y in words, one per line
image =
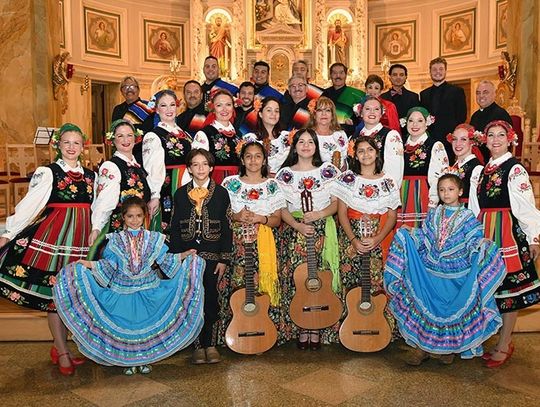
column 192, row 119
column 444, row 101
column 403, row 98
column 489, row 111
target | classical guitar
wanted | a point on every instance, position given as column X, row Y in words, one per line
column 251, row 330
column 314, row 305
column 365, row 329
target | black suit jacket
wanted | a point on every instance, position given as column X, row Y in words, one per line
column 404, row 101
column 482, row 117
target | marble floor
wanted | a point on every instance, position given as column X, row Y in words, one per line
column 284, row 376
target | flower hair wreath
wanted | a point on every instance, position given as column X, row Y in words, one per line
column 109, row 136
column 430, row 119
column 476, row 136
column 57, row 135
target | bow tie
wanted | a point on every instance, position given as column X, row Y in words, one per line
column 394, row 92
column 198, row 194
column 227, row 133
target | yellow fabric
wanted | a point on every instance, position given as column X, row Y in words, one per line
column 198, row 194
column 268, row 278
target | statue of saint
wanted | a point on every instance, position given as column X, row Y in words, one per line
column 220, row 44
column 337, row 43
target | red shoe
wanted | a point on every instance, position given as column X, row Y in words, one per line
column 486, row 356
column 496, row 363
column 74, row 361
column 66, row 370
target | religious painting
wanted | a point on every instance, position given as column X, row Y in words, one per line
column 501, row 24
column 268, row 13
column 102, row 33
column 339, row 37
column 163, row 41
column 457, row 33
column 62, row 24
column 396, row 42
column 218, row 29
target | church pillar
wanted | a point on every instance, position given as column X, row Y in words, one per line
column 30, row 39
column 524, row 32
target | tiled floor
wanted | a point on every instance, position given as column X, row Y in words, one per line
column 283, row 376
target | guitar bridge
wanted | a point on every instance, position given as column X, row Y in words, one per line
column 315, row 308
column 366, row 332
column 250, row 334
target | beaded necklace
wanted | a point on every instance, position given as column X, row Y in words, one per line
column 446, row 225
column 135, row 250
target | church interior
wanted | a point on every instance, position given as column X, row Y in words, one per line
column 63, row 60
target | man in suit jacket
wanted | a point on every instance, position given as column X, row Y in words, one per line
column 489, row 111
column 400, row 96
column 444, row 101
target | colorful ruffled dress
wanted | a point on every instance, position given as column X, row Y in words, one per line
column 441, row 280
column 49, row 230
column 120, row 312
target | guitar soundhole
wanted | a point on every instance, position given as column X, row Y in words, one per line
column 365, row 307
column 313, row 284
column 250, row 308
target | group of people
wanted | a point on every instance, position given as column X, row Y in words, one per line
column 139, row 260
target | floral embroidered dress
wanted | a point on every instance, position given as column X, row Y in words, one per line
column 120, row 312
column 506, row 207
column 292, row 251
column 277, row 150
column 263, row 199
column 441, row 279
column 424, row 163
column 221, row 141
column 469, row 170
column 164, row 159
column 49, row 230
column 328, row 145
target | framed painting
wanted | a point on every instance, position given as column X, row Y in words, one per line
column 279, row 16
column 396, row 41
column 163, row 41
column 501, row 22
column 457, row 33
column 102, row 33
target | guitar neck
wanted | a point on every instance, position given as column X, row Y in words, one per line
column 249, row 272
column 365, row 277
column 311, row 257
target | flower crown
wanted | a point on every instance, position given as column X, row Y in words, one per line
column 430, row 119
column 290, row 139
column 477, row 137
column 57, row 134
column 451, row 170
column 152, row 102
column 109, row 136
column 311, row 106
column 511, row 134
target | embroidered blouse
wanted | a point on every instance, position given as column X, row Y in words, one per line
column 392, row 154
column 522, row 201
column 475, row 174
column 373, row 196
column 438, row 162
column 279, row 149
column 39, row 192
column 201, row 139
column 336, row 141
column 319, row 181
column 263, row 199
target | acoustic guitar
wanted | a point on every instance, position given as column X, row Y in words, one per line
column 251, row 330
column 365, row 329
column 314, row 305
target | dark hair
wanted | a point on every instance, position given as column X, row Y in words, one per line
column 374, row 79
column 211, row 57
column 292, row 157
column 133, row 201
column 194, row 82
column 398, row 66
column 452, row 177
column 438, row 60
column 246, row 84
column 242, row 168
column 261, row 63
column 335, row 64
column 165, row 92
column 200, row 151
column 262, row 133
column 354, row 163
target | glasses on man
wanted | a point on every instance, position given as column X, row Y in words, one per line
column 125, row 87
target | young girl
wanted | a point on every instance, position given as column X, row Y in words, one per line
column 219, row 136
column 425, row 158
column 506, row 207
column 202, row 221
column 441, row 279
column 331, row 138
column 367, row 203
column 388, row 141
column 164, row 159
column 467, row 165
column 304, row 170
column 275, row 141
column 118, row 309
column 119, row 178
column 49, row 230
column 256, row 200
